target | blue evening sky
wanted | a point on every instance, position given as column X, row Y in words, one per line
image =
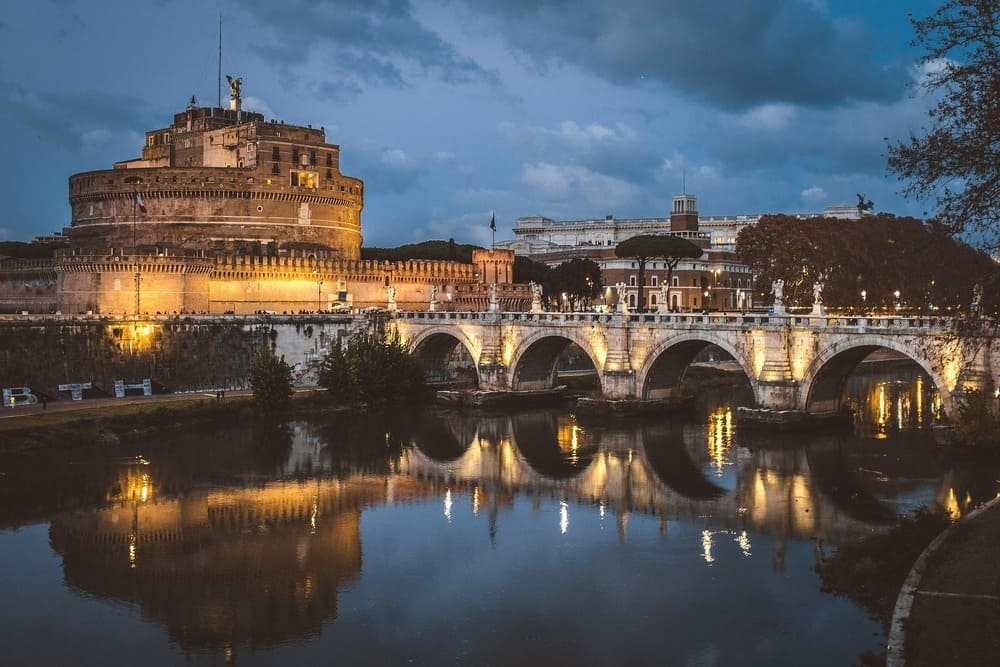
column 449, row 109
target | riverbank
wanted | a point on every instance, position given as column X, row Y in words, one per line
column 105, row 420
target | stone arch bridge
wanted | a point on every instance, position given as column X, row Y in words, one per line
column 791, row 362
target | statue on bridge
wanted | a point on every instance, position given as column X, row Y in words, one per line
column 778, row 290
column 622, row 302
column 663, row 303
column 976, row 307
column 536, row 298
column 392, row 297
column 494, row 298
column 434, row 299
column 818, row 297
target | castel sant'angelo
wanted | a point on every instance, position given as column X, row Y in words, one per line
column 225, row 211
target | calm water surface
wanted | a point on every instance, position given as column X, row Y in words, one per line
column 429, row 537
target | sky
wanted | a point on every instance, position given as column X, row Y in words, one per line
column 451, row 109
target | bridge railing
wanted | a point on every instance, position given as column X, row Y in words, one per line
column 733, row 320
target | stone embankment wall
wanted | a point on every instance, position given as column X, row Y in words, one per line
column 176, row 353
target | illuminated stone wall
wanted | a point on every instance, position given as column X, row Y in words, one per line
column 28, row 284
column 178, row 354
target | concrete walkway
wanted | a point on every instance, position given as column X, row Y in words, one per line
column 954, row 614
column 98, row 404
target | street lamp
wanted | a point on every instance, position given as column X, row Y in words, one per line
column 319, row 295
column 896, row 294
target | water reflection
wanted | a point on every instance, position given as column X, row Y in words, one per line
column 250, row 539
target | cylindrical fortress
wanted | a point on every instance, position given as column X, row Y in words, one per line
column 223, row 181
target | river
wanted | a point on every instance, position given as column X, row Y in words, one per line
column 423, row 536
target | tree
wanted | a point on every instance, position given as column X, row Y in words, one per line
column 880, row 254
column 579, row 279
column 956, row 160
column 270, row 381
column 645, row 247
column 370, row 368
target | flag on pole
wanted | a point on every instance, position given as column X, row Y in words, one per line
column 138, row 202
column 493, row 221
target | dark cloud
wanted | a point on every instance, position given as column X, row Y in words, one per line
column 366, row 42
column 66, row 118
column 388, row 171
column 731, row 53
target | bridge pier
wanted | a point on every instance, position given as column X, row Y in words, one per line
column 618, row 384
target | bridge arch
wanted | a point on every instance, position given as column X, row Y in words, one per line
column 434, row 345
column 533, row 362
column 666, row 363
column 822, row 385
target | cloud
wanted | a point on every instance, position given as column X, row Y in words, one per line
column 730, row 53
column 357, row 43
column 577, row 183
column 258, row 105
column 48, row 117
column 385, row 171
column 613, row 149
column 813, row 194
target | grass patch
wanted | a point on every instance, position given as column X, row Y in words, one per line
column 870, row 570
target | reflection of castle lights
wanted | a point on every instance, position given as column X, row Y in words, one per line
column 951, row 506
column 563, row 516
column 601, row 509
column 720, row 434
column 132, row 539
column 743, row 541
column 880, row 419
column 920, row 399
column 312, row 517
column 706, row 546
column 447, row 505
column 475, row 500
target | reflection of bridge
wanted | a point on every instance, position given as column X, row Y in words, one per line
column 792, row 362
column 654, row 470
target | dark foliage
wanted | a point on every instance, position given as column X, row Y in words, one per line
column 271, row 382
column 442, row 250
column 878, row 254
column 956, row 160
column 645, row 247
column 371, row 368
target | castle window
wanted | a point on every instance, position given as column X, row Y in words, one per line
column 631, row 281
column 654, row 281
column 275, row 169
column 329, row 173
column 295, row 156
column 312, row 157
column 305, row 179
column 329, row 159
column 276, row 154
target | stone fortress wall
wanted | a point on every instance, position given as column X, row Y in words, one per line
column 224, row 212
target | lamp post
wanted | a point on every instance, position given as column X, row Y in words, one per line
column 896, row 294
column 864, row 298
column 319, row 295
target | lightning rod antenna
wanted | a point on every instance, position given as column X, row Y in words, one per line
column 218, row 101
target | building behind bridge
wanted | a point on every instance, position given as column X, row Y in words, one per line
column 224, row 211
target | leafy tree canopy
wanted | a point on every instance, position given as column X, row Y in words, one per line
column 879, row 254
column 650, row 246
column 370, row 368
column 442, row 250
column 271, row 382
column 956, row 159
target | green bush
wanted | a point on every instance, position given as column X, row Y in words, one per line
column 976, row 425
column 371, row 368
column 271, row 382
